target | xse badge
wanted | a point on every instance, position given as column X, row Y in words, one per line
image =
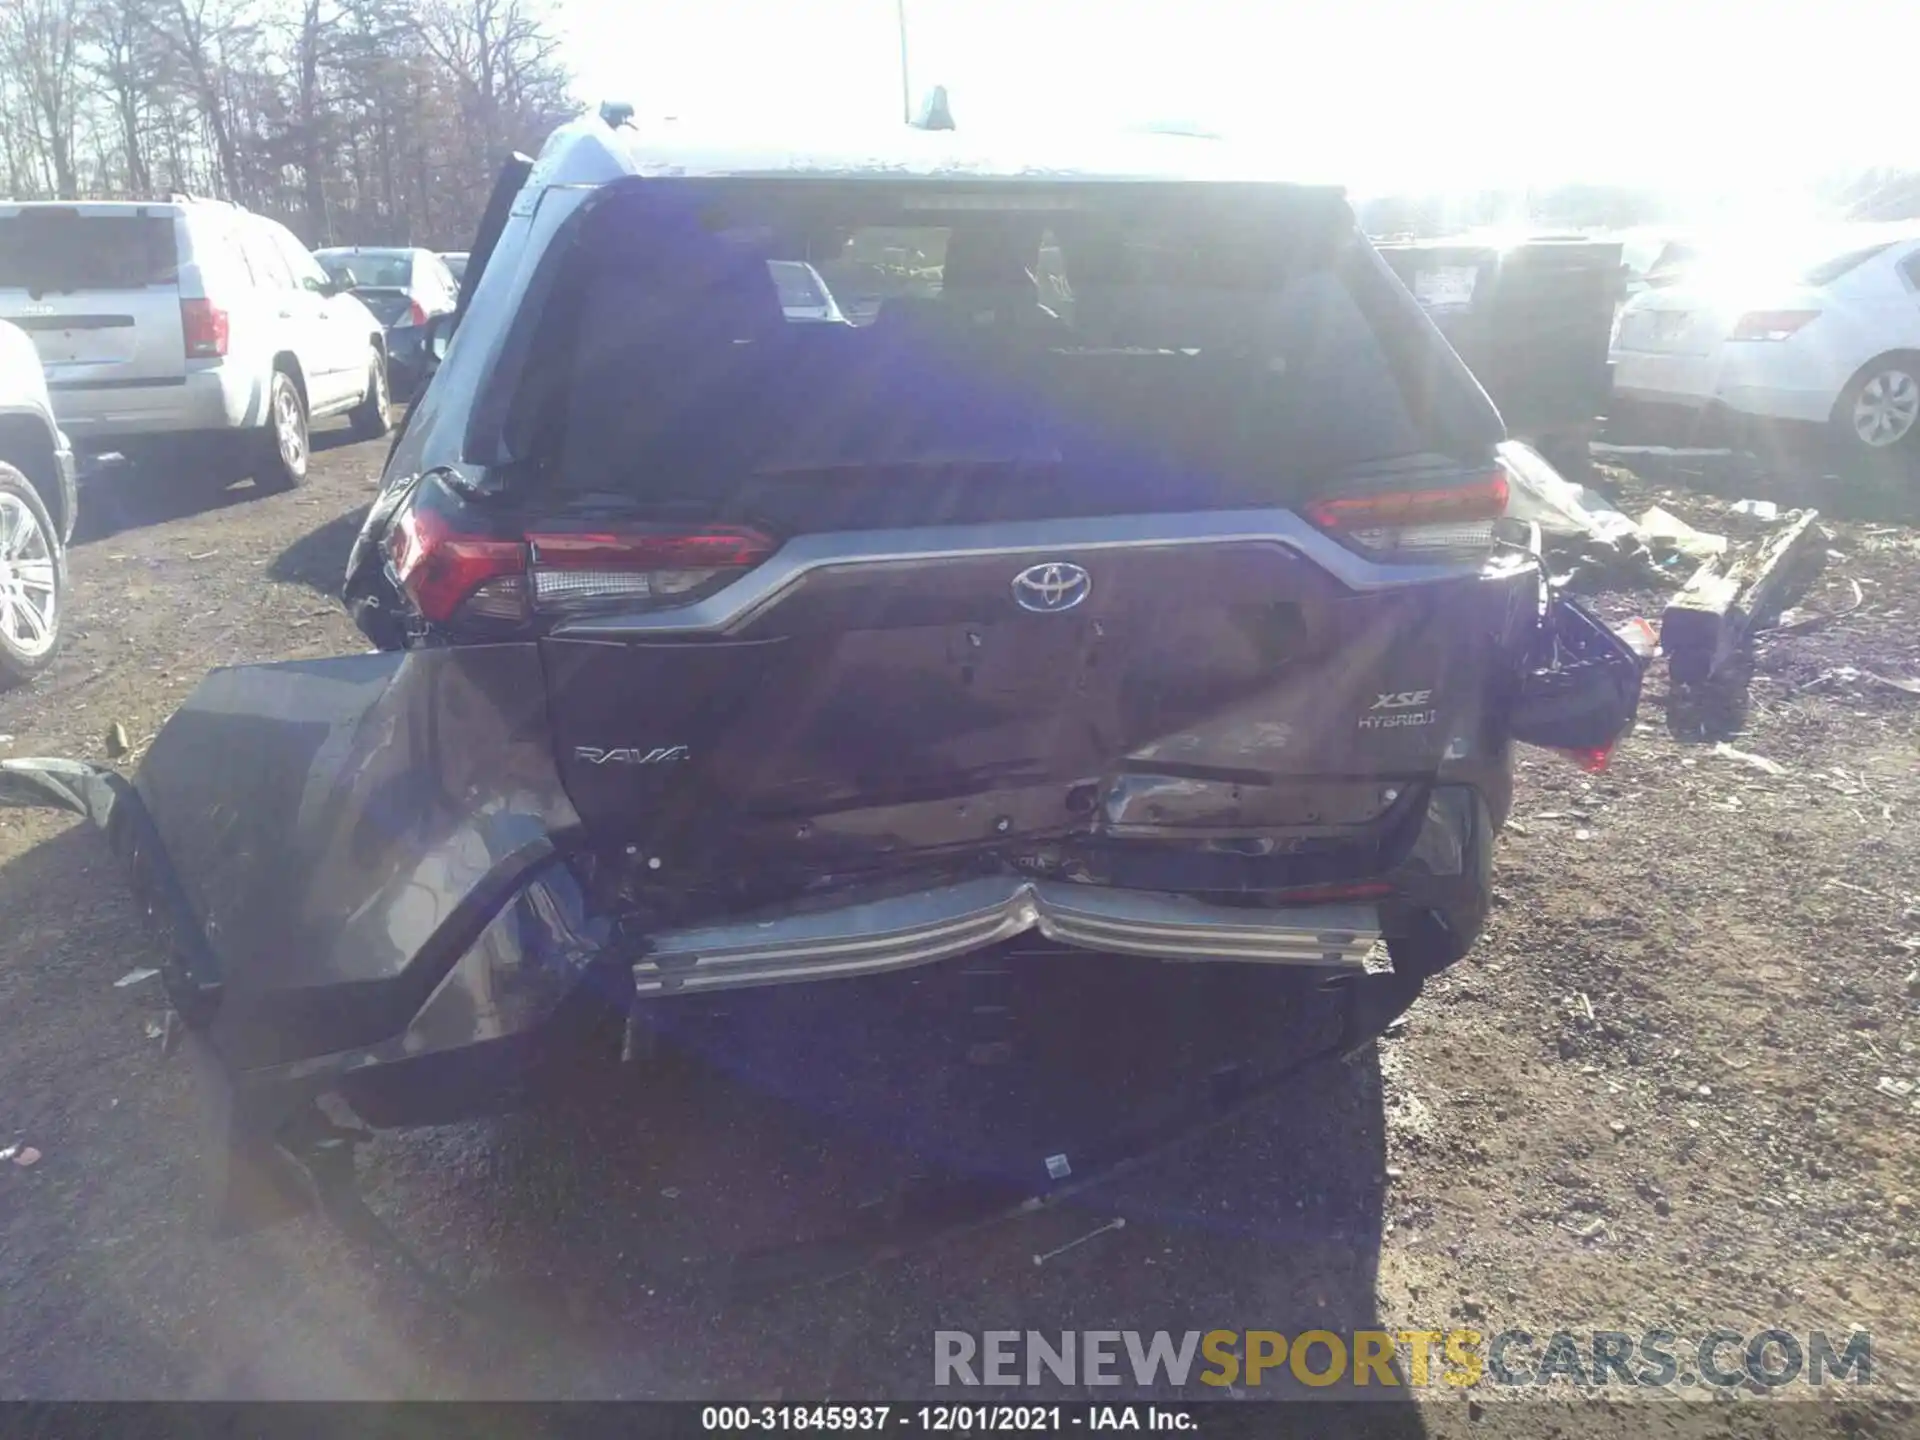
column 1399, row 710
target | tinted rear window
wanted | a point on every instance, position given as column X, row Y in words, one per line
column 54, row 251
column 1134, row 350
column 371, row 269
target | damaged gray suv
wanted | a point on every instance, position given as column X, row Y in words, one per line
column 1129, row 570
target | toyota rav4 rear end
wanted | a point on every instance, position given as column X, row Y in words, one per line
column 1132, row 571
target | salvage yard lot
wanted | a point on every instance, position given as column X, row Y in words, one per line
column 1672, row 1087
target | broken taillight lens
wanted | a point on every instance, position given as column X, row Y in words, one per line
column 556, row 572
column 443, row 570
column 1435, row 523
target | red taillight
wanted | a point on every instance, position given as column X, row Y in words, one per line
column 203, row 326
column 555, row 571
column 442, row 571
column 1772, row 324
column 1430, row 523
column 416, row 313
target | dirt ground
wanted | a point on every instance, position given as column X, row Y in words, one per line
column 1673, row 1088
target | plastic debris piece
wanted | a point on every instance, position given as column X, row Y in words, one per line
column 1898, row 1089
column 9, row 1152
column 26, row 1155
column 1664, row 531
column 134, row 977
column 1639, row 636
column 1058, row 1168
column 1758, row 509
column 1583, row 834
column 1746, row 757
column 116, row 742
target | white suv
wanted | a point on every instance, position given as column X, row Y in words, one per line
column 191, row 324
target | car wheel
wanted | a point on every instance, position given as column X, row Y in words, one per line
column 373, row 416
column 282, row 461
column 33, row 581
column 1880, row 408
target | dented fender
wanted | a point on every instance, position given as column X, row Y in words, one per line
column 318, row 842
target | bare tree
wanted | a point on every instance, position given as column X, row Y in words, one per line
column 39, row 42
column 352, row 120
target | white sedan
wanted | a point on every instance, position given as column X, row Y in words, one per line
column 1833, row 341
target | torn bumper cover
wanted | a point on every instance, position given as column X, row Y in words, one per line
column 362, row 877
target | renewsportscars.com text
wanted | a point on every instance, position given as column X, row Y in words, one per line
column 1653, row 1359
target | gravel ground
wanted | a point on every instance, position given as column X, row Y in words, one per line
column 1653, row 1097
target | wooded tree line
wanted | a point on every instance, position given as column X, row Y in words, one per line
column 352, row 121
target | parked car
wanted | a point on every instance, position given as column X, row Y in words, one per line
column 456, row 263
column 719, row 649
column 403, row 287
column 188, row 327
column 1830, row 339
column 37, row 507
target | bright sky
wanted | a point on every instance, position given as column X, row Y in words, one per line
column 1685, row 94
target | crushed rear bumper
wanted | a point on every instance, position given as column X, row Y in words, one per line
column 364, row 878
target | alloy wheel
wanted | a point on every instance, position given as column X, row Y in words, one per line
column 289, row 433
column 27, row 587
column 1885, row 410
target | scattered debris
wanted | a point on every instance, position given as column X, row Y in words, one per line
column 1587, row 1006
column 155, row 1030
column 1912, row 687
column 1618, row 1127
column 1730, row 598
column 1666, row 534
column 1758, row 509
column 116, row 741
column 671, row 1192
column 134, row 977
column 1913, row 983
column 204, row 555
column 24, row 1156
column 1898, row 1089
column 1588, row 543
column 1118, row 1223
column 1583, row 834
column 1747, row 757
column 1803, row 621
column 1058, row 1168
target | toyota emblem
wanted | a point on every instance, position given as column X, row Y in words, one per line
column 1051, row 587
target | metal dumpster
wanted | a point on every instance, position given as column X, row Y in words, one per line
column 1532, row 321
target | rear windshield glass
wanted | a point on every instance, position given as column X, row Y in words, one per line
column 376, row 270
column 54, row 251
column 1131, row 350
column 1831, row 269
